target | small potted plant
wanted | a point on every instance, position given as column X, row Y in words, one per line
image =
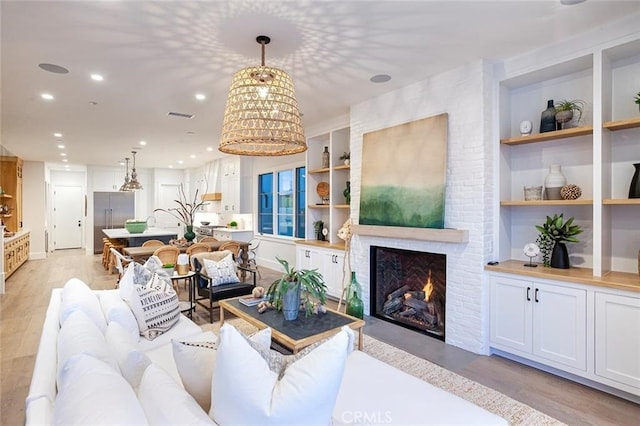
column 557, row 230
column 637, row 100
column 346, row 158
column 295, row 288
column 233, row 224
column 168, row 268
column 565, row 111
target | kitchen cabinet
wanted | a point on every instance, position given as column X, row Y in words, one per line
column 107, row 179
column 328, row 261
column 16, row 252
column 224, row 234
column 11, row 184
column 539, row 321
column 236, row 184
column 335, row 211
column 617, row 336
column 596, row 153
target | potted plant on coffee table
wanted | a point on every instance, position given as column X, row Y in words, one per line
column 296, row 287
column 557, row 230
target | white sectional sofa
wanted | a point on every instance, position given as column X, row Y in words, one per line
column 371, row 392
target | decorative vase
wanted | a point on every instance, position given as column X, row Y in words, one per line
column 355, row 307
column 634, row 188
column 560, row 256
column 347, row 193
column 548, row 118
column 563, row 117
column 554, row 182
column 189, row 235
column 325, row 158
column 347, row 162
column 291, row 302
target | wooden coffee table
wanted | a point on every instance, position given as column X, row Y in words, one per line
column 297, row 334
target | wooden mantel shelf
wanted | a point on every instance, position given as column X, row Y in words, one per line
column 447, row 235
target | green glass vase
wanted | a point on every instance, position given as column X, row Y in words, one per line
column 189, row 235
column 355, row 307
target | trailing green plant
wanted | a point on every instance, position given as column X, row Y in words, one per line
column 573, row 105
column 312, row 287
column 637, row 98
column 557, row 230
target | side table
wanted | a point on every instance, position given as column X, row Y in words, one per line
column 190, row 278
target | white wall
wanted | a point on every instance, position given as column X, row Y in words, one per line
column 34, row 216
column 465, row 94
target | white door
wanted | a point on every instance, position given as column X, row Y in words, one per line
column 166, row 200
column 68, row 217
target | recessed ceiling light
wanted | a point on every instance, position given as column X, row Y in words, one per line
column 209, row 148
column 61, row 146
column 201, row 96
column 143, row 143
column 64, row 160
column 63, row 154
column 57, row 135
column 180, row 162
column 47, row 96
column 121, row 162
column 192, row 156
column 93, row 103
column 97, row 77
column 380, row 78
column 54, row 68
column 170, row 166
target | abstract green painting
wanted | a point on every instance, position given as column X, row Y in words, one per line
column 404, row 174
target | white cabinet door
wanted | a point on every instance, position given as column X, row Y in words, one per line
column 309, row 258
column 617, row 338
column 333, row 264
column 511, row 313
column 560, row 324
column 107, row 180
column 222, row 235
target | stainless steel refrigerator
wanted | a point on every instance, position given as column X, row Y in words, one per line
column 110, row 210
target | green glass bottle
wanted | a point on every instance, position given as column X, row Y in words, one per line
column 355, row 307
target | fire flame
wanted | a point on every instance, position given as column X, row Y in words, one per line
column 428, row 288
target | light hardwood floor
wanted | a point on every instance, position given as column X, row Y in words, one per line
column 23, row 307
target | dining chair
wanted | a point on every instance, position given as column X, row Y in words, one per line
column 152, row 243
column 197, row 248
column 120, row 262
column 233, row 247
column 167, row 254
column 252, row 254
column 208, row 239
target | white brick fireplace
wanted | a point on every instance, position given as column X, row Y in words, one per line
column 465, row 94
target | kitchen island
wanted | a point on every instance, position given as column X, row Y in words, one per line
column 135, row 240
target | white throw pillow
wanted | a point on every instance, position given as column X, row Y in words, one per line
column 166, row 403
column 131, row 361
column 306, row 393
column 79, row 335
column 76, row 295
column 223, row 271
column 154, row 303
column 196, row 357
column 116, row 310
column 92, row 393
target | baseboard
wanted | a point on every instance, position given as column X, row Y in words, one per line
column 39, row 255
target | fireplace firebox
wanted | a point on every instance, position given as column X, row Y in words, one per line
column 408, row 288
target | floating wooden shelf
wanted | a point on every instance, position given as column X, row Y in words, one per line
column 6, row 215
column 342, row 167
column 212, row 196
column 318, row 206
column 3, row 195
column 622, row 201
column 342, row 206
column 549, row 136
column 629, row 123
column 612, row 279
column 447, row 235
column 548, row 203
column 323, row 170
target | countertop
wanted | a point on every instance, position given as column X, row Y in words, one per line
column 150, row 232
column 16, row 235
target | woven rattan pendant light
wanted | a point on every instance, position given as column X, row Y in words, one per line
column 261, row 117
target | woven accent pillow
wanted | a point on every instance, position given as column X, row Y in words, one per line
column 223, row 271
column 155, row 306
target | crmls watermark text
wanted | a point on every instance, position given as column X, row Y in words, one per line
column 366, row 417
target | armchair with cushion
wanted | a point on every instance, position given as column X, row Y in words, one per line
column 217, row 279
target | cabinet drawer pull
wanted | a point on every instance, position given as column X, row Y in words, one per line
column 536, row 295
column 528, row 294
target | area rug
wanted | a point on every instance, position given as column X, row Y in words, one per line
column 515, row 412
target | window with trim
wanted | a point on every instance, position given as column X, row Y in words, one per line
column 282, row 202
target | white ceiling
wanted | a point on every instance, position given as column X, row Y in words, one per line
column 155, row 56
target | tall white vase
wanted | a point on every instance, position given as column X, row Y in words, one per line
column 554, row 182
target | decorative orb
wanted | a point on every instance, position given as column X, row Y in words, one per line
column 570, row 192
